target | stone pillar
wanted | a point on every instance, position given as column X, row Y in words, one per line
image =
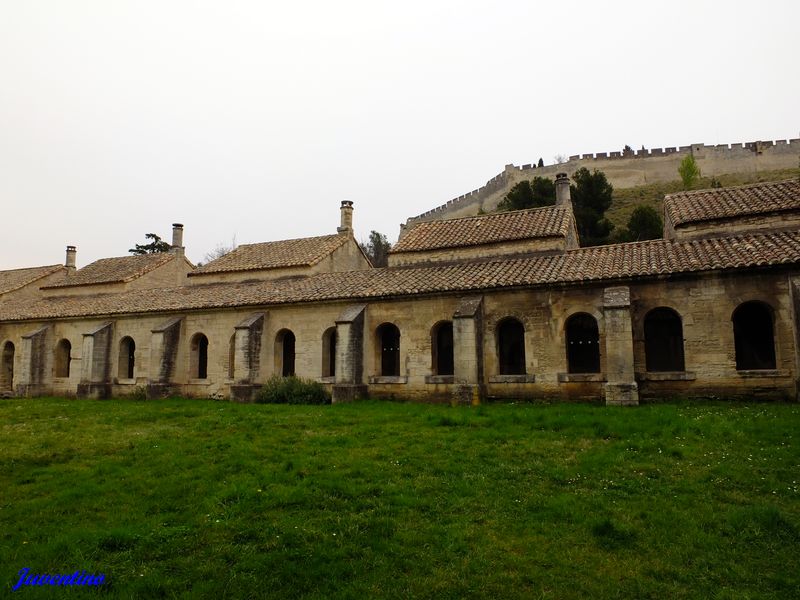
column 163, row 356
column 468, row 376
column 794, row 293
column 349, row 382
column 621, row 388
column 96, row 364
column 247, row 357
column 36, row 363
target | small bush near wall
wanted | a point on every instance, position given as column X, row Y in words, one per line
column 292, row 390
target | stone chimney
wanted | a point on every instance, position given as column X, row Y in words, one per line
column 72, row 251
column 347, row 218
column 563, row 197
column 177, row 237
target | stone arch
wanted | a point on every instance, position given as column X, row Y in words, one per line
column 329, row 339
column 63, row 358
column 285, row 353
column 7, row 367
column 198, row 357
column 388, row 345
column 127, row 358
column 663, row 340
column 582, row 337
column 754, row 336
column 510, row 335
column 442, row 348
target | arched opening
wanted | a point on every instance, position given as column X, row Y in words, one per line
column 511, row 347
column 232, row 356
column 442, row 348
column 63, row 358
column 127, row 358
column 389, row 343
column 285, row 353
column 7, row 367
column 329, row 352
column 754, row 336
column 198, row 361
column 663, row 340
column 583, row 344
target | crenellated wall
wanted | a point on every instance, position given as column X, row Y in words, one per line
column 628, row 169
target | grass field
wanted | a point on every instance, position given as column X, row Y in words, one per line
column 386, row 500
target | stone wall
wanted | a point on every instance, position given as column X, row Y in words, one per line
column 705, row 304
column 625, row 170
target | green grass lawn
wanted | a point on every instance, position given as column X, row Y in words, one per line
column 369, row 500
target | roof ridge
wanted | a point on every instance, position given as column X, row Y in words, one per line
column 310, row 237
column 491, row 214
column 731, row 187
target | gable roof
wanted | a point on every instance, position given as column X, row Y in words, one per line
column 550, row 221
column 300, row 252
column 653, row 258
column 726, row 203
column 119, row 269
column 15, row 279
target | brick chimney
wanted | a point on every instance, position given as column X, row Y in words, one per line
column 72, row 251
column 177, row 237
column 563, row 197
column 347, row 218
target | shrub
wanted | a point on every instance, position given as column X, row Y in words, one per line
column 292, row 390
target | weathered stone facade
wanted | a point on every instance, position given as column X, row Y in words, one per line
column 713, row 316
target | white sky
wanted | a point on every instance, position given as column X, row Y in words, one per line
column 254, row 119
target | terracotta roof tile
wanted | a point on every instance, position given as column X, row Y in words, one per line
column 115, row 270
column 727, row 203
column 300, row 252
column 550, row 221
column 15, row 279
column 620, row 261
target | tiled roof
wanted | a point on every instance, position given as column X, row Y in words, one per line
column 550, row 221
column 16, row 278
column 617, row 262
column 727, row 203
column 115, row 270
column 301, row 252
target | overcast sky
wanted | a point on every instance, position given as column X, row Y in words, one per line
column 255, row 119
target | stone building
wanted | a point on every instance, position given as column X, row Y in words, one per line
column 495, row 306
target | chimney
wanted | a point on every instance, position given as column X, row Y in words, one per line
column 70, row 261
column 177, row 237
column 347, row 217
column 562, row 190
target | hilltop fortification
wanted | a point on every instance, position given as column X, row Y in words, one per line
column 628, row 169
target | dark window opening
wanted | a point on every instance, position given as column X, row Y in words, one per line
column 286, row 341
column 754, row 336
column 443, row 349
column 199, row 358
column 329, row 352
column 7, row 368
column 663, row 340
column 583, row 344
column 389, row 340
column 63, row 358
column 127, row 358
column 511, row 347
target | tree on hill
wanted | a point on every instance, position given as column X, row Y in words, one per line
column 529, row 194
column 689, row 171
column 377, row 249
column 591, row 197
column 540, row 163
column 644, row 224
column 154, row 247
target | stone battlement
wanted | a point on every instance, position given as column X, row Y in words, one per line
column 628, row 169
